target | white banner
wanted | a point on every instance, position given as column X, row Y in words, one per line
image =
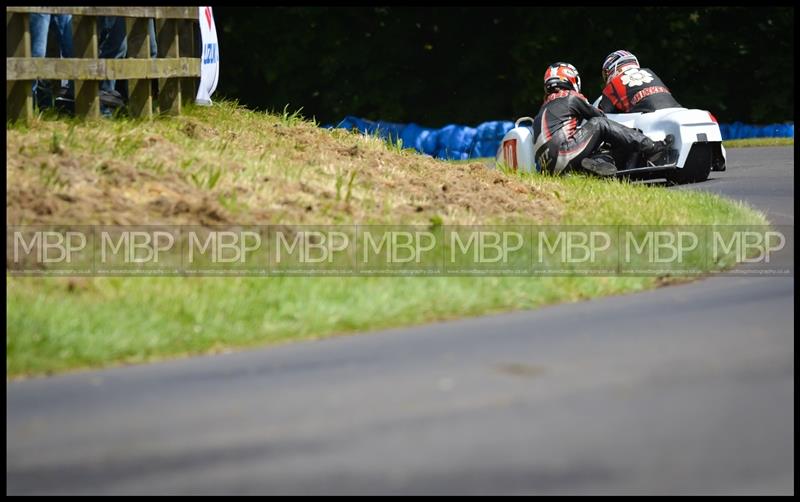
column 209, row 67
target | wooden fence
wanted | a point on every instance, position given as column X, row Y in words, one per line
column 176, row 69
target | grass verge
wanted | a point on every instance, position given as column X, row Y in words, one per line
column 225, row 164
column 749, row 142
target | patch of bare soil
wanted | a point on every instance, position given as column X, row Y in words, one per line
column 259, row 174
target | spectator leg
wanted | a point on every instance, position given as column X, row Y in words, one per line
column 40, row 27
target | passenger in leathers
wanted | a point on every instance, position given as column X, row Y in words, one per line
column 630, row 88
column 562, row 142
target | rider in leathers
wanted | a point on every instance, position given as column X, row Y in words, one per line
column 631, row 89
column 562, row 143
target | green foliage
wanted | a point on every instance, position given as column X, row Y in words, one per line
column 51, row 177
column 206, row 177
column 440, row 65
column 395, row 145
column 55, row 144
column 293, row 118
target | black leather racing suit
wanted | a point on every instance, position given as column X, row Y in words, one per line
column 560, row 142
column 636, row 90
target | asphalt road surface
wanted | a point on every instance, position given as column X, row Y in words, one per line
column 680, row 390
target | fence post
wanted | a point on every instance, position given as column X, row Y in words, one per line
column 84, row 44
column 177, row 39
column 19, row 93
column 169, row 93
column 140, row 99
column 186, row 49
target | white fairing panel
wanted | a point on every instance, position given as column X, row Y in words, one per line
column 516, row 150
column 686, row 125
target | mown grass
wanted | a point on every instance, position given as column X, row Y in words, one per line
column 270, row 168
column 750, row 142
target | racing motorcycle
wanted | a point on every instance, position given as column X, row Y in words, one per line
column 696, row 148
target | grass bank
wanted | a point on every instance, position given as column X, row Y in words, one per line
column 749, row 142
column 225, row 165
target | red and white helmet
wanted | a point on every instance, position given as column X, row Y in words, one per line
column 561, row 76
column 616, row 61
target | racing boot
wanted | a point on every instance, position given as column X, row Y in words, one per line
column 657, row 152
column 601, row 165
column 629, row 145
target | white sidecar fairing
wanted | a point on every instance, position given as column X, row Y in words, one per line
column 696, row 133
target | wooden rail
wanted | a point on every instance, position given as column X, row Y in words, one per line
column 176, row 68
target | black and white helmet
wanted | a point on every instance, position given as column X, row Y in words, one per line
column 616, row 61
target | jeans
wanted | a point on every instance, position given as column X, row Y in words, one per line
column 40, row 27
column 113, row 44
column 151, row 29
